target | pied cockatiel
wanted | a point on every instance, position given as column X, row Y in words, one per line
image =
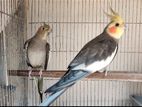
column 94, row 56
column 37, row 53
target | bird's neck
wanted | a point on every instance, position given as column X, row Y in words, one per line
column 44, row 36
column 105, row 33
column 115, row 33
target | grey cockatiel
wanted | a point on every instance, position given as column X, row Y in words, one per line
column 37, row 53
column 94, row 56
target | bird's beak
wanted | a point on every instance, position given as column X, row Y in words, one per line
column 125, row 27
column 49, row 31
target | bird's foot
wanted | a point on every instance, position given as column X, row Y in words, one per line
column 46, row 95
column 30, row 72
column 106, row 72
column 40, row 73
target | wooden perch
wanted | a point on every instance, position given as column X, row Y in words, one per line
column 113, row 75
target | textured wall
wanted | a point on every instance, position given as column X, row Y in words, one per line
column 14, row 31
column 5, row 9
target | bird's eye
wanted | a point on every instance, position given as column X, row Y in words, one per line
column 117, row 24
column 43, row 28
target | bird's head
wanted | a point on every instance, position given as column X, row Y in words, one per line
column 43, row 31
column 116, row 27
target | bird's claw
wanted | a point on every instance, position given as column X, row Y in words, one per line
column 46, row 95
column 40, row 73
column 30, row 72
column 106, row 72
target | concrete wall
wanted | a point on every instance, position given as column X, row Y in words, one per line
column 13, row 26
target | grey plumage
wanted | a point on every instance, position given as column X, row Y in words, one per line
column 96, row 50
column 94, row 56
column 37, row 53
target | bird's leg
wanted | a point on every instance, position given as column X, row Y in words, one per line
column 40, row 73
column 30, row 71
column 105, row 72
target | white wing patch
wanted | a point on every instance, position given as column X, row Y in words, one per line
column 100, row 64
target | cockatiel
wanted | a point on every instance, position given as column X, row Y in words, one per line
column 94, row 56
column 37, row 53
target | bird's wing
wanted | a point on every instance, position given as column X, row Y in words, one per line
column 67, row 80
column 26, row 44
column 90, row 53
column 47, row 55
column 95, row 50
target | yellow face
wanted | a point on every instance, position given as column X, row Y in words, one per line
column 116, row 26
column 116, row 29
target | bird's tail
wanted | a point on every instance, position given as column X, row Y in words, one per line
column 40, row 88
column 69, row 79
column 52, row 98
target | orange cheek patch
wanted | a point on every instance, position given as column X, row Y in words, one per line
column 112, row 29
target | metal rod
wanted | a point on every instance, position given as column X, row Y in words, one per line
column 11, row 15
column 81, row 22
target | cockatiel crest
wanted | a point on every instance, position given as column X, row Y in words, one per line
column 116, row 27
column 115, row 16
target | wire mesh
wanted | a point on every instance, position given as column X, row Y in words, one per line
column 74, row 23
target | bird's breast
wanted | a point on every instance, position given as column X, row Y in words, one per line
column 37, row 57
